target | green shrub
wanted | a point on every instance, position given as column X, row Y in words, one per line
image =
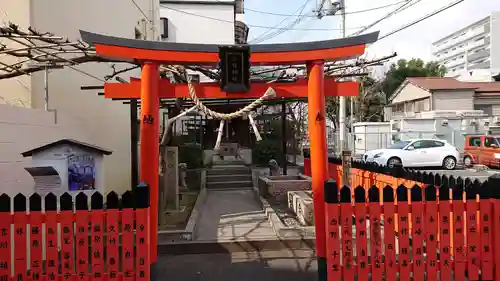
column 265, row 150
column 192, row 155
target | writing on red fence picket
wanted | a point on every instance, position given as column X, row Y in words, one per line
column 444, row 230
column 72, row 237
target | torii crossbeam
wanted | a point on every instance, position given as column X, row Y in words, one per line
column 151, row 88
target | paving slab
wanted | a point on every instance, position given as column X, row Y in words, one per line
column 232, row 215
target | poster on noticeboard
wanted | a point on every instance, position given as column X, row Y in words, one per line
column 81, row 172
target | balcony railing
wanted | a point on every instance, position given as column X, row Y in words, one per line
column 470, row 34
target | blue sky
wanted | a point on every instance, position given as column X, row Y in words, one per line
column 412, row 42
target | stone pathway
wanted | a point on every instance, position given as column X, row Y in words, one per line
column 232, row 215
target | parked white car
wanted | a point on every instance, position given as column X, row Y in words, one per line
column 416, row 153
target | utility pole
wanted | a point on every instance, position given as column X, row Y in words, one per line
column 342, row 103
column 346, row 154
column 330, row 8
column 46, row 88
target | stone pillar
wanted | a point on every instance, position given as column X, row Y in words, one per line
column 172, row 177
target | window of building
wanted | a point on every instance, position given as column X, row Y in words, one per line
column 480, row 38
column 164, row 24
column 137, row 34
column 486, row 108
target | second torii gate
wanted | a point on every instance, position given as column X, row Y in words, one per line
column 151, row 88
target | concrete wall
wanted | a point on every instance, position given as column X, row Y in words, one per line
column 410, row 92
column 15, row 91
column 23, row 129
column 106, row 122
column 495, row 42
column 453, row 100
column 183, row 18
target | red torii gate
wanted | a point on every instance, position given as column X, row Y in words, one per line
column 150, row 88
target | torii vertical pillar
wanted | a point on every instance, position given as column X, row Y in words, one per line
column 150, row 131
column 319, row 157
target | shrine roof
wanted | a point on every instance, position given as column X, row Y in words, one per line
column 82, row 145
column 328, row 50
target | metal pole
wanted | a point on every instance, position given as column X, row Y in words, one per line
column 342, row 103
column 346, row 153
column 283, row 135
column 46, row 82
column 134, row 144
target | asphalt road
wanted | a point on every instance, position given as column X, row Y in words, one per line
column 280, row 265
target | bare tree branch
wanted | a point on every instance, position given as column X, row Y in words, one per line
column 44, row 48
column 117, row 72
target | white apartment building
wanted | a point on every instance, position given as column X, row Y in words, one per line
column 471, row 48
column 215, row 20
column 101, row 121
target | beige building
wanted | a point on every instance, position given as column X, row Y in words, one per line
column 102, row 122
column 417, row 95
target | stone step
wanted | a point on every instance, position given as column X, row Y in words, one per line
column 228, row 162
column 230, row 185
column 219, row 171
column 231, row 177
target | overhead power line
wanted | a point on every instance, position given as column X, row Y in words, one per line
column 399, row 9
column 252, row 25
column 314, row 16
column 262, row 37
column 421, row 19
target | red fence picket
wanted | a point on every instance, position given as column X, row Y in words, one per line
column 332, row 223
column 346, row 216
column 485, row 228
column 431, row 231
column 418, row 233
column 36, row 239
column 433, row 236
column 5, row 235
column 361, row 239
column 79, row 244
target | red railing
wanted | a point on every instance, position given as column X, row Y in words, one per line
column 361, row 177
column 67, row 240
column 433, row 236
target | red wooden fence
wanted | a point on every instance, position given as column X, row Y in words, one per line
column 435, row 236
column 104, row 242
